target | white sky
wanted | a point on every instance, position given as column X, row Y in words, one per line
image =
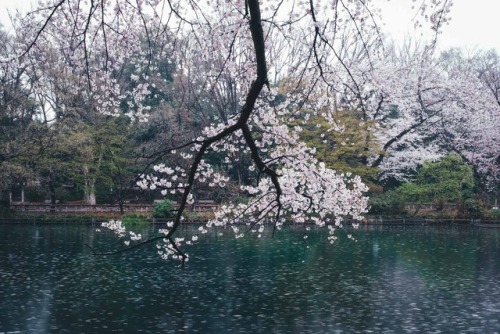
column 474, row 24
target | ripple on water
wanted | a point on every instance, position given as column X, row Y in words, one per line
column 392, row 281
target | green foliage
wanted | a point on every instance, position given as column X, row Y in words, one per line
column 448, row 180
column 198, row 216
column 103, row 157
column 163, row 209
column 473, row 206
column 413, row 193
column 35, row 194
column 388, row 203
column 88, row 154
column 64, row 194
column 134, row 220
column 104, row 193
column 493, row 214
column 346, row 149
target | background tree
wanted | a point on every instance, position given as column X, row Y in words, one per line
column 21, row 129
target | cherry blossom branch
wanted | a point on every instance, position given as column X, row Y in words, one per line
column 264, row 212
column 241, row 124
column 140, row 244
column 39, row 32
column 260, row 164
column 318, row 34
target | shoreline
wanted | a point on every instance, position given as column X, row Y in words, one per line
column 198, row 219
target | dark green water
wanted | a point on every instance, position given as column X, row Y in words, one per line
column 417, row 279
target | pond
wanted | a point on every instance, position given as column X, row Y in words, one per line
column 400, row 279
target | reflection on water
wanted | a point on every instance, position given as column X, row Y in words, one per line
column 392, row 280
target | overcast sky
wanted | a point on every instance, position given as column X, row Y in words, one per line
column 473, row 23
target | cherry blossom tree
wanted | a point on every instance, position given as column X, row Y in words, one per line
column 406, row 110
column 440, row 105
column 309, row 43
column 470, row 127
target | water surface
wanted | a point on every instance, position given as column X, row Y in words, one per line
column 390, row 279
